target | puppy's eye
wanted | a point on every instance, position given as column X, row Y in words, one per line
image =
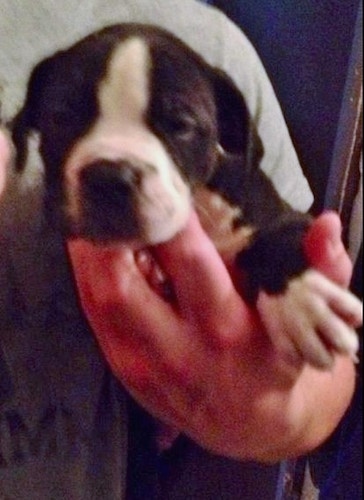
column 182, row 126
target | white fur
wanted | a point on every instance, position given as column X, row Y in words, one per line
column 312, row 319
column 163, row 202
column 123, row 94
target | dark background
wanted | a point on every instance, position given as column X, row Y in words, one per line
column 305, row 46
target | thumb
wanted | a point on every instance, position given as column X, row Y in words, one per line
column 325, row 250
column 202, row 283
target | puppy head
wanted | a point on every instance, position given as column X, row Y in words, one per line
column 130, row 120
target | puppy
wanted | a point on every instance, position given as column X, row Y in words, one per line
column 135, row 129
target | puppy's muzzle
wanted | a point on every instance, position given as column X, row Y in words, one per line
column 109, row 191
column 110, row 184
column 128, row 199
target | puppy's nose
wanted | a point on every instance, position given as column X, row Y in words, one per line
column 110, row 182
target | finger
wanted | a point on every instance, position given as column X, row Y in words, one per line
column 203, row 286
column 337, row 334
column 341, row 301
column 296, row 341
column 110, row 277
column 325, row 250
column 275, row 321
column 321, row 334
column 147, row 345
column 126, row 315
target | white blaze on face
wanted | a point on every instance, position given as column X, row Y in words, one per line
column 124, row 93
column 162, row 203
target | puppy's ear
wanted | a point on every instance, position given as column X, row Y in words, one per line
column 237, row 132
column 27, row 119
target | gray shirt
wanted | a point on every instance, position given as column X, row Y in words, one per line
column 28, row 34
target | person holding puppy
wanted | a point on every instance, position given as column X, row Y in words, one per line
column 204, row 366
column 272, row 410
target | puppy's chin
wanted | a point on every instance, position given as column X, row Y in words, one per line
column 159, row 230
column 145, row 232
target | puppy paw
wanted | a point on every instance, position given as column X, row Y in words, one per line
column 312, row 320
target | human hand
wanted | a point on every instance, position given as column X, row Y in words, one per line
column 325, row 250
column 204, row 364
column 315, row 317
